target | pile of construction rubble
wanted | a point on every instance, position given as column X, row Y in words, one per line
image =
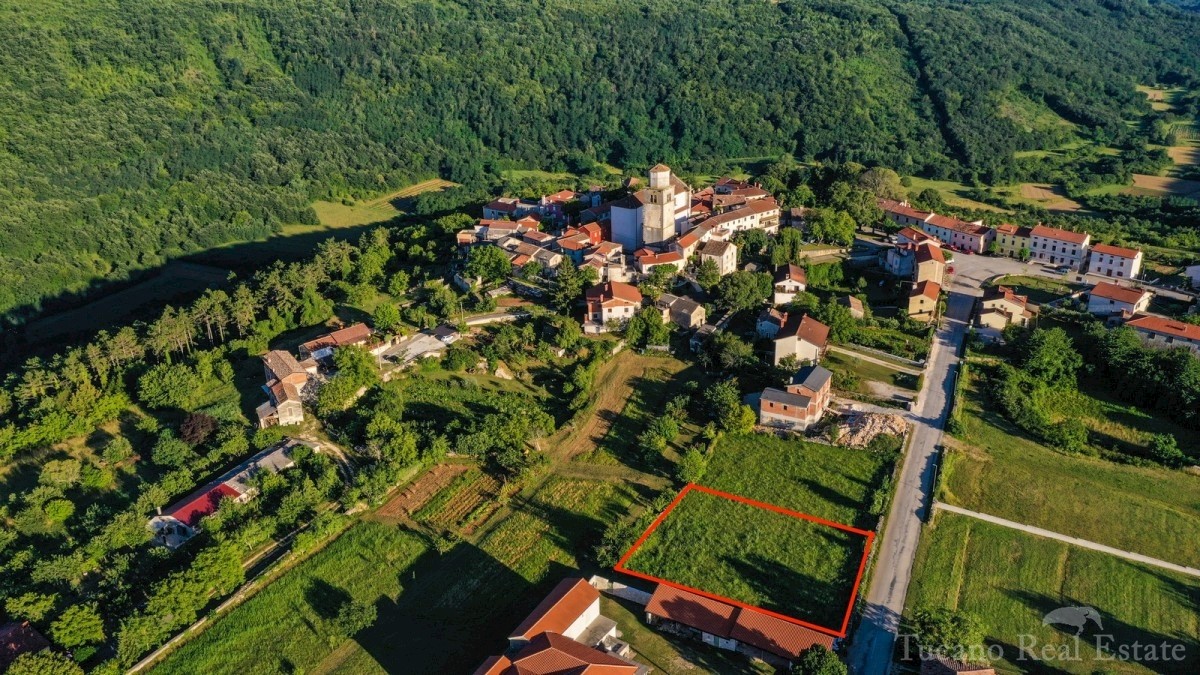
column 857, row 430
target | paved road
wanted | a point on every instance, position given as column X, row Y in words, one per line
column 871, row 651
column 1075, row 541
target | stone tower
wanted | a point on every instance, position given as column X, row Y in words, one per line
column 658, row 223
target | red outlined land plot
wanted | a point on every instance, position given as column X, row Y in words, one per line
column 738, row 536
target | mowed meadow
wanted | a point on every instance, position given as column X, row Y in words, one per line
column 776, row 561
column 999, row 470
column 1011, row 580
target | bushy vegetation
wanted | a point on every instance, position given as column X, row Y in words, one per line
column 144, row 134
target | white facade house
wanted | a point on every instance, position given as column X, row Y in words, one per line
column 789, row 280
column 1114, row 261
column 723, row 253
column 610, row 303
column 1105, row 299
column 1059, row 247
column 1164, row 333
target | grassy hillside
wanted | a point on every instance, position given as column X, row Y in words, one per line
column 135, row 131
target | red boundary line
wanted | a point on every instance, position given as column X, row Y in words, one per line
column 862, row 565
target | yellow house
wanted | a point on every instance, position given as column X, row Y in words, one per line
column 923, row 301
column 1010, row 239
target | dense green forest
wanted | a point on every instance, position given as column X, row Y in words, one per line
column 135, row 131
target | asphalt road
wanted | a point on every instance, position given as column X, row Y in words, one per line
column 871, row 650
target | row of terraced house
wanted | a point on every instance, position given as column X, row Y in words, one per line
column 1049, row 245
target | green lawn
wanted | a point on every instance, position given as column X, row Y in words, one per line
column 1001, row 471
column 1011, row 580
column 436, row 613
column 287, row 625
column 789, row 565
column 867, row 370
column 822, row 480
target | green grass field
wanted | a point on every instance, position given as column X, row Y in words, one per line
column 822, row 480
column 1011, row 580
column 426, row 602
column 866, row 370
column 999, row 470
column 1039, row 289
column 286, row 625
column 785, row 564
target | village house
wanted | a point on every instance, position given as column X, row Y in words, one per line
column 930, row 264
column 1113, row 301
column 723, row 253
column 857, row 310
column 902, row 213
column 683, row 312
column 17, row 638
column 508, row 207
column 800, row 404
column 610, row 304
column 803, row 337
column 1012, row 239
column 966, row 236
column 653, row 215
column 769, row 321
column 358, row 335
column 645, row 260
column 521, row 252
column 691, row 240
column 1158, row 331
column 923, row 301
column 180, row 522
column 757, row 635
column 552, row 206
column 286, row 378
column 1002, row 307
column 1114, row 261
column 565, row 633
column 760, row 214
column 1059, row 247
column 908, row 235
column 789, row 280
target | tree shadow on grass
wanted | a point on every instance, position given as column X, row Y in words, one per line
column 325, row 599
column 1115, row 633
column 794, row 593
column 453, row 612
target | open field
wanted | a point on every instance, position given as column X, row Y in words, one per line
column 417, row 494
column 1184, row 154
column 997, row 469
column 822, row 480
column 797, row 567
column 1011, row 580
column 1163, row 186
column 287, row 625
column 335, row 215
column 869, row 371
column 953, row 193
column 1050, row 196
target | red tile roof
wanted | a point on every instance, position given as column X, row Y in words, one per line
column 1015, row 230
column 768, row 633
column 927, row 252
column 697, row 611
column 902, row 208
column 791, row 272
column 613, row 291
column 1158, row 324
column 201, row 503
column 805, row 328
column 957, row 224
column 1109, row 291
column 558, row 610
column 350, row 335
column 926, row 288
column 553, row 654
column 1059, row 235
column 914, row 235
column 17, row 639
column 1108, row 249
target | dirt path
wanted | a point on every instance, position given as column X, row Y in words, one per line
column 612, row 474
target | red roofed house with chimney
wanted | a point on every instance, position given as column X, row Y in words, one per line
column 803, row 337
column 609, row 304
column 923, row 301
column 1111, row 300
column 789, row 280
column 1166, row 333
column 755, row 634
column 565, row 634
column 1114, row 261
